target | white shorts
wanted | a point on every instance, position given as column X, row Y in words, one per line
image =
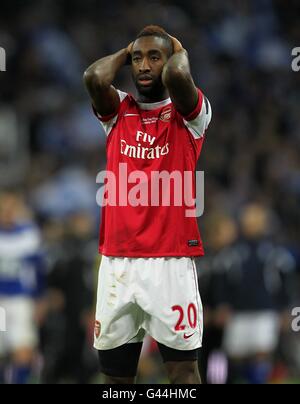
column 250, row 333
column 20, row 331
column 157, row 296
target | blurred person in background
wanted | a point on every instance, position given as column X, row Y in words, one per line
column 222, row 233
column 70, row 319
column 21, row 288
column 254, row 283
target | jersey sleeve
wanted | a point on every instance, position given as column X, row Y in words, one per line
column 109, row 121
column 198, row 121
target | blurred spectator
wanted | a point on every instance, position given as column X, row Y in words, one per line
column 21, row 288
column 14, row 153
column 221, row 235
column 255, row 276
column 67, row 356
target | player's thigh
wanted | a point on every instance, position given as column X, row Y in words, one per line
column 174, row 313
column 118, row 317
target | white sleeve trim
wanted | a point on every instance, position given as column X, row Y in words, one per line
column 122, row 95
column 108, row 126
column 199, row 125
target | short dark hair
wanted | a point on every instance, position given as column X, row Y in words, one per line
column 156, row 30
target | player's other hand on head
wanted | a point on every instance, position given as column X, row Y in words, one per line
column 129, row 53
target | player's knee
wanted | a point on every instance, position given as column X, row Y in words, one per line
column 119, row 365
column 183, row 372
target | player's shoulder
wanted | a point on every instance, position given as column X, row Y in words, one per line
column 124, row 96
column 127, row 102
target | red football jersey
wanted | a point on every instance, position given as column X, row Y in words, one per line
column 143, row 216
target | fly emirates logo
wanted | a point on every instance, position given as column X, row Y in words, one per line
column 140, row 152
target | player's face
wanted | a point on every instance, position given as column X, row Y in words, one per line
column 149, row 55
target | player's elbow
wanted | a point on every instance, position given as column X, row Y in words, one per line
column 175, row 74
column 94, row 79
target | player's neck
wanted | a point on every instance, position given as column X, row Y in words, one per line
column 153, row 98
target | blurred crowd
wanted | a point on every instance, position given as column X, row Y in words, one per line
column 51, row 149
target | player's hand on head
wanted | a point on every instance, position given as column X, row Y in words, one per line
column 129, row 47
column 129, row 52
column 177, row 45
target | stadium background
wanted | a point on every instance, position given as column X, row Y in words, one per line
column 51, row 148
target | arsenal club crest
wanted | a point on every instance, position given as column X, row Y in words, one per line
column 166, row 115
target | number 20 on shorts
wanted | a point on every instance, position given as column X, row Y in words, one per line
column 191, row 315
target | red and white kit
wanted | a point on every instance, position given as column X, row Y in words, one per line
column 147, row 279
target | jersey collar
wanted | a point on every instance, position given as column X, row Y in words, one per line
column 153, row 105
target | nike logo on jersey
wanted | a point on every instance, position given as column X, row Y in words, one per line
column 188, row 336
column 131, row 114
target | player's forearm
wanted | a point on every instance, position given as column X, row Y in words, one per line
column 178, row 80
column 103, row 72
column 176, row 68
